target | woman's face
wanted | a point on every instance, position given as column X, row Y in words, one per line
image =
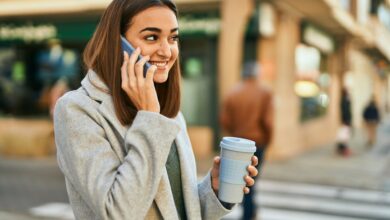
column 155, row 32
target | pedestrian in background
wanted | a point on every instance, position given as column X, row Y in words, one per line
column 247, row 112
column 371, row 118
column 344, row 132
column 122, row 143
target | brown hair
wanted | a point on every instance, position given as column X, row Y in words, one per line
column 104, row 55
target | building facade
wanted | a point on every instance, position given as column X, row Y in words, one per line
column 309, row 51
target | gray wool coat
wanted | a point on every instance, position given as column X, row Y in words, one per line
column 118, row 172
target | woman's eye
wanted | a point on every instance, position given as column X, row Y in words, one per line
column 175, row 38
column 151, row 38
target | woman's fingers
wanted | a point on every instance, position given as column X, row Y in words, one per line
column 130, row 66
column 215, row 174
column 255, row 161
column 249, row 181
column 150, row 74
column 215, row 170
column 139, row 69
column 125, row 78
column 252, row 171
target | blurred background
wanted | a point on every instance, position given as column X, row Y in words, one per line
column 309, row 52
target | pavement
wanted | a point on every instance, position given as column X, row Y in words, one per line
column 33, row 189
column 28, row 183
column 368, row 167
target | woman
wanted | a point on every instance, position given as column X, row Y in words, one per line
column 122, row 142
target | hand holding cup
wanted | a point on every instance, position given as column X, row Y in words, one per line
column 233, row 171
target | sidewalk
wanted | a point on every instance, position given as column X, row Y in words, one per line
column 13, row 216
column 365, row 169
column 322, row 166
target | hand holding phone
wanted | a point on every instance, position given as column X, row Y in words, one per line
column 140, row 89
column 126, row 46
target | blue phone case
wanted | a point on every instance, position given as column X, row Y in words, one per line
column 126, row 46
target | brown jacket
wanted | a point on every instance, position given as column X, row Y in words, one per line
column 247, row 112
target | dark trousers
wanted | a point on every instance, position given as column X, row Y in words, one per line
column 249, row 199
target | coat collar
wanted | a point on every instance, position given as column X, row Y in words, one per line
column 95, row 87
column 98, row 91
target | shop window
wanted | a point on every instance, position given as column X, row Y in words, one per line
column 196, row 90
column 384, row 15
column 198, row 71
column 193, row 68
column 31, row 73
column 312, row 85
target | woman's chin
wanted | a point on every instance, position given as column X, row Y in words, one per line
column 160, row 77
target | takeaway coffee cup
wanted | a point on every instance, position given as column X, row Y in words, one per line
column 236, row 154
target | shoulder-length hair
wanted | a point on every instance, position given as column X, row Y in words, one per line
column 104, row 55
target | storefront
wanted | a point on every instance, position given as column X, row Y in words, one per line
column 34, row 56
column 38, row 54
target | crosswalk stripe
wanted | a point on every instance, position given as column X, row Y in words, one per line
column 280, row 214
column 53, row 210
column 321, row 205
column 293, row 201
column 351, row 194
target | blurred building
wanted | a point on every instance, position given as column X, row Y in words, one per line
column 308, row 50
column 311, row 50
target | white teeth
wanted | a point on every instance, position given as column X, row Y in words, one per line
column 160, row 64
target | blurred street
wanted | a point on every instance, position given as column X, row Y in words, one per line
column 323, row 185
column 316, row 185
column 316, row 92
column 25, row 184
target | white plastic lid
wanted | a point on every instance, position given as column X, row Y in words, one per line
column 238, row 144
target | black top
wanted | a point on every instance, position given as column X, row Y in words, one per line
column 371, row 113
column 346, row 110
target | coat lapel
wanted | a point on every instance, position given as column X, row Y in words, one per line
column 164, row 198
column 188, row 176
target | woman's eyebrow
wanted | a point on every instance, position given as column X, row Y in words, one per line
column 154, row 29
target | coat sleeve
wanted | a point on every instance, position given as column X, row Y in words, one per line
column 211, row 207
column 113, row 188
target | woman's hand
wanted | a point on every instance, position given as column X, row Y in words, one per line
column 138, row 88
column 248, row 178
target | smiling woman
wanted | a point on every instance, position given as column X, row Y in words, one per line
column 122, row 143
column 156, row 39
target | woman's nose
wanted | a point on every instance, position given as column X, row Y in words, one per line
column 164, row 50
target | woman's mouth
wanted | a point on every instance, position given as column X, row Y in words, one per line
column 159, row 64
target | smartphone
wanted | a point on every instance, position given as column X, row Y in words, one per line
column 126, row 46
